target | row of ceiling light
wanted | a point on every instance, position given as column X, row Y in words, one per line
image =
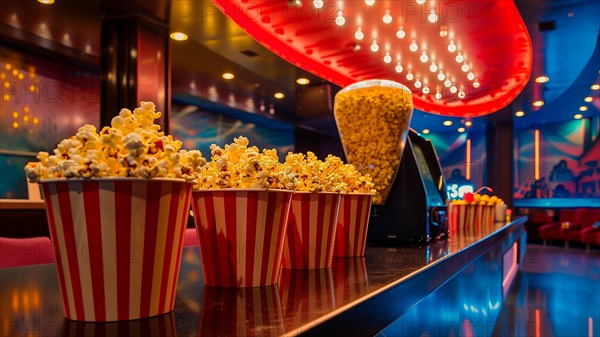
column 422, row 84
column 538, row 103
column 449, row 123
column 179, row 36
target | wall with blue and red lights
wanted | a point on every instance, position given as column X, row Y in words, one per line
column 569, row 160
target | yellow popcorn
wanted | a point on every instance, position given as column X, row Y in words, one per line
column 330, row 175
column 133, row 146
column 238, row 165
column 372, row 122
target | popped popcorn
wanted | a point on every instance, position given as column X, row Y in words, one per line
column 133, row 146
column 478, row 199
column 373, row 124
column 239, row 165
column 331, row 175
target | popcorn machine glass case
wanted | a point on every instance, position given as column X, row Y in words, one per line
column 410, row 205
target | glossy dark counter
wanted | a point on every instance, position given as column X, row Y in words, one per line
column 356, row 297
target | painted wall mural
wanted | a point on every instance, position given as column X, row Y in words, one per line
column 568, row 164
column 462, row 157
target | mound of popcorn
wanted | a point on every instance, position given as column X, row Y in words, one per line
column 239, row 165
column 330, row 175
column 378, row 110
column 133, row 146
column 478, row 199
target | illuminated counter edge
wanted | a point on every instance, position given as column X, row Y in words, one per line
column 369, row 315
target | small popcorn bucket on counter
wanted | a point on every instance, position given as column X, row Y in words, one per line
column 471, row 219
column 118, row 244
column 353, row 222
column 311, row 230
column 241, row 235
column 306, row 294
column 351, row 281
column 241, row 312
column 160, row 326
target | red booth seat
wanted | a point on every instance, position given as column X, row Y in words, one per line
column 590, row 236
column 552, row 231
column 190, row 238
column 587, row 217
column 23, row 252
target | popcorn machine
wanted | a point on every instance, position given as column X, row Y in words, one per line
column 415, row 209
column 410, row 204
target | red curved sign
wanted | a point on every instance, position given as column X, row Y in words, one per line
column 466, row 58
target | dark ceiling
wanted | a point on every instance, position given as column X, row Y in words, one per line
column 564, row 34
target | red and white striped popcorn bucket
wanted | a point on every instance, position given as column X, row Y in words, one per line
column 118, row 244
column 471, row 219
column 306, row 294
column 311, row 230
column 351, row 279
column 241, row 234
column 159, row 326
column 250, row 311
column 353, row 222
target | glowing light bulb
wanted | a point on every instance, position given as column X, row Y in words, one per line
column 441, row 76
column 476, row 84
column 409, row 76
column 461, row 129
column 583, row 108
column 447, row 83
column 461, row 94
column 443, row 31
column 359, row 35
column 453, row 89
column 387, row 18
column 578, row 116
column 374, row 46
column 452, row 46
column 433, row 67
column 370, row 2
column 400, row 33
column 399, row 67
column 470, row 76
column 520, row 113
column 413, row 46
column 387, row 58
column 417, row 84
column 468, row 123
column 438, row 95
column 432, row 17
column 425, row 90
column 588, row 99
column 465, row 67
column 318, row 4
column 459, row 57
column 425, row 131
column 424, row 57
column 340, row 20
column 420, row 2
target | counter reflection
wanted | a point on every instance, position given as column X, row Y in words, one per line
column 467, row 305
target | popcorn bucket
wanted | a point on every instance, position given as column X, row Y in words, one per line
column 241, row 312
column 351, row 279
column 241, row 235
column 311, row 230
column 160, row 326
column 118, row 245
column 353, row 221
column 471, row 219
column 306, row 294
